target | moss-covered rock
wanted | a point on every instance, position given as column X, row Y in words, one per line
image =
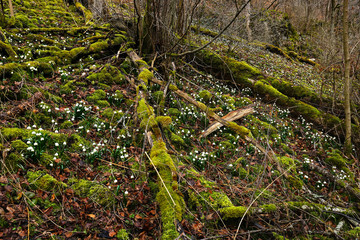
column 108, row 75
column 66, row 124
column 42, row 180
column 19, row 145
column 335, row 159
column 99, row 94
column 93, row 190
column 205, row 95
column 233, row 212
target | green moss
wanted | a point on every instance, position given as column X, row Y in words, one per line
column 66, row 124
column 270, row 92
column 19, row 145
column 158, row 96
column 12, row 161
column 172, row 87
column 165, row 121
column 353, row 233
column 287, row 149
column 243, row 173
column 295, row 182
column 141, row 63
column 178, row 142
column 268, row 208
column 93, row 190
column 286, row 161
column 112, row 115
column 174, row 112
column 205, row 95
column 242, row 131
column 171, row 207
column 46, row 159
column 76, row 52
column 40, row 38
column 99, row 94
column 87, row 13
column 8, row 49
column 78, row 142
column 144, row 110
column 98, row 46
column 278, row 236
column 306, row 110
column 145, row 75
column 13, row 133
column 240, row 70
column 278, row 51
column 102, row 103
column 67, row 88
column 43, row 181
column 122, row 235
column 233, row 212
column 335, row 159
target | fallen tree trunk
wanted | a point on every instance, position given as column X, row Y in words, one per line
column 169, row 197
column 247, row 76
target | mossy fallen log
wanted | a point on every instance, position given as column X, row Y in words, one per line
column 8, row 49
column 247, row 76
column 85, row 12
column 169, row 197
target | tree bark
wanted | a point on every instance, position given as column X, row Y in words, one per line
column 347, row 83
column 163, row 19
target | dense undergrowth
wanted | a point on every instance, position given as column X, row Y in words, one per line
column 77, row 162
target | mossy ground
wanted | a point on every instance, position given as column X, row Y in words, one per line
column 76, row 159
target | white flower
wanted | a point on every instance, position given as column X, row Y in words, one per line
column 64, row 143
column 56, row 144
column 28, row 128
column 42, row 139
column 126, row 193
column 115, row 181
column 35, row 144
column 51, row 164
column 132, row 176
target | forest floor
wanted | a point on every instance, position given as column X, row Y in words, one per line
column 77, row 162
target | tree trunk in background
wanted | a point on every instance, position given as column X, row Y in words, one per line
column 247, row 17
column 347, row 77
column 163, row 19
column 11, row 8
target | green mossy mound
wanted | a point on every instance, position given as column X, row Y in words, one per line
column 93, row 190
column 43, row 181
column 229, row 67
column 108, row 75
